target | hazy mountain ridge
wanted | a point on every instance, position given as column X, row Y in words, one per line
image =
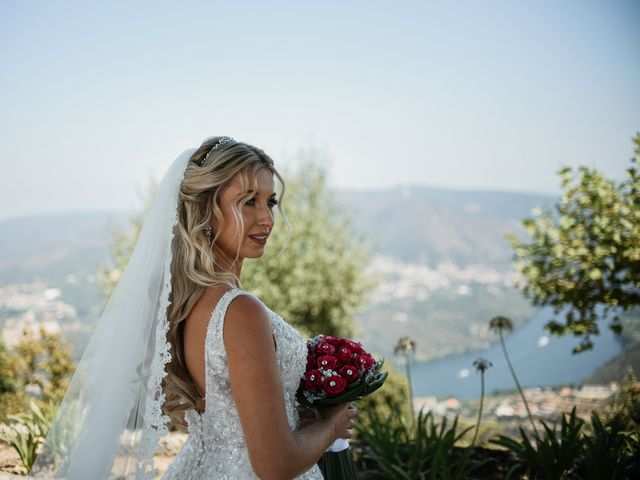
column 428, row 225
column 415, row 224
column 50, row 246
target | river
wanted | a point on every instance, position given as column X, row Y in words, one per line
column 539, row 359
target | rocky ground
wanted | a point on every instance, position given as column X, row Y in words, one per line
column 170, row 445
column 9, row 461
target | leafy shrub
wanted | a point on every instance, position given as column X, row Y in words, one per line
column 607, row 453
column 553, row 455
column 386, row 402
column 38, row 367
column 400, row 450
column 7, row 381
column 27, row 431
column 623, row 409
column 34, row 377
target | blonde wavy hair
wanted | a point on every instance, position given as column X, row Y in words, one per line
column 195, row 264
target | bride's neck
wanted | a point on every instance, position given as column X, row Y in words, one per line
column 230, row 265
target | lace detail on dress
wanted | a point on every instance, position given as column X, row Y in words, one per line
column 155, row 422
column 216, row 447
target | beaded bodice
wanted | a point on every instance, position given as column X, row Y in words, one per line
column 215, row 447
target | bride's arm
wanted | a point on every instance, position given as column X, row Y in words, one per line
column 275, row 451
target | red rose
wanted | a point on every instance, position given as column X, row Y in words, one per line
column 327, row 362
column 310, row 360
column 344, row 354
column 331, row 340
column 313, row 380
column 354, row 347
column 365, row 361
column 325, row 348
column 350, row 372
column 334, row 385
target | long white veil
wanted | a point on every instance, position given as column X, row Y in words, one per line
column 110, row 420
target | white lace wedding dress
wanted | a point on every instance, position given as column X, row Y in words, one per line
column 215, row 447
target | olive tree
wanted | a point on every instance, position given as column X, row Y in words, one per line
column 313, row 273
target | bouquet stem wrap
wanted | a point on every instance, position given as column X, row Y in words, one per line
column 336, row 462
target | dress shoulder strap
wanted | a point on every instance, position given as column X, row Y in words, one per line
column 214, row 329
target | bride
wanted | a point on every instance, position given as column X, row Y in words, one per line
column 180, row 341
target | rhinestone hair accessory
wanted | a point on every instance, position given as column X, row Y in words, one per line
column 220, row 142
column 208, row 231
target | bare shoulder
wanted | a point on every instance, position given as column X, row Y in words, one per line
column 246, row 306
column 246, row 313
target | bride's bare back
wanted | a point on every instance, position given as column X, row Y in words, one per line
column 195, row 331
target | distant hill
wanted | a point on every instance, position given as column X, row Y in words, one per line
column 48, row 247
column 62, row 252
column 423, row 225
column 428, row 225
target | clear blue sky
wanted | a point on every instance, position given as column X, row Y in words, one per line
column 96, row 96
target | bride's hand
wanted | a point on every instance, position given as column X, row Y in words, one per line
column 342, row 416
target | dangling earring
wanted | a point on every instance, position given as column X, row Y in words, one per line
column 208, row 232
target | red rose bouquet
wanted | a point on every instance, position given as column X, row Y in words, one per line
column 338, row 370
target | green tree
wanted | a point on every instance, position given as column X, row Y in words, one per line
column 315, row 277
column 584, row 257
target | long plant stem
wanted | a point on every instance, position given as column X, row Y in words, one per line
column 515, row 379
column 408, row 368
column 475, row 436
